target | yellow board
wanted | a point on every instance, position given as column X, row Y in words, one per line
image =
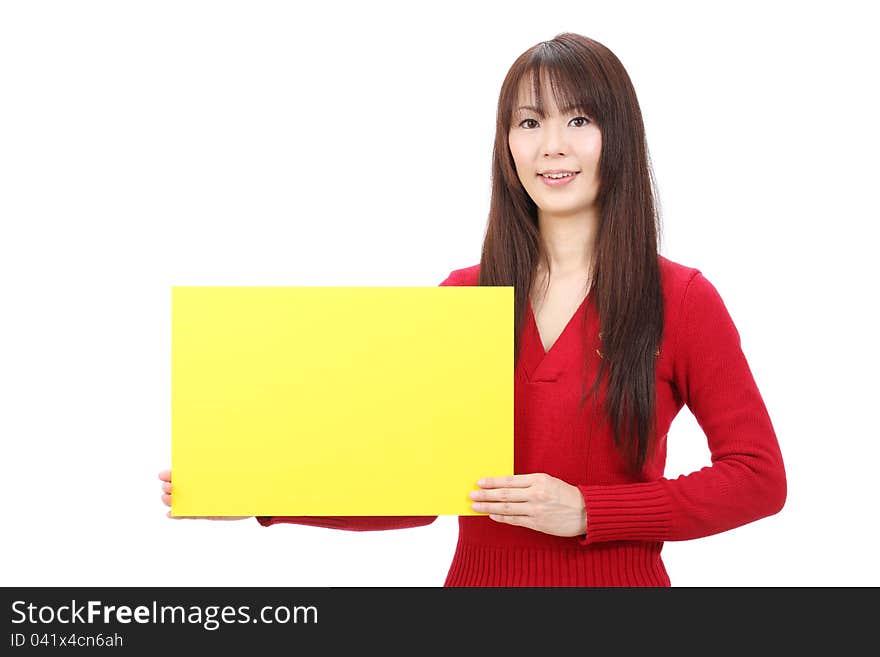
column 309, row 401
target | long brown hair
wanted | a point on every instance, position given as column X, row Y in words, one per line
column 625, row 270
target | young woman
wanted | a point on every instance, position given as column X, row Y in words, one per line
column 612, row 339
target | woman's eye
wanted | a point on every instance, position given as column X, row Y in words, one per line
column 577, row 118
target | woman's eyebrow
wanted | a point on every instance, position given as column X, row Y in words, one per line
column 565, row 110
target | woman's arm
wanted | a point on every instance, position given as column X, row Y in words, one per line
column 746, row 480
column 351, row 523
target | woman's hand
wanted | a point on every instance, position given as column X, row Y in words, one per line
column 537, row 501
column 165, row 476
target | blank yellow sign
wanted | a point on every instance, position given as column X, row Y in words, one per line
column 338, row 400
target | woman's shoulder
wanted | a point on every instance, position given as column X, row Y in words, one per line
column 693, row 305
column 683, row 286
column 464, row 276
column 675, row 276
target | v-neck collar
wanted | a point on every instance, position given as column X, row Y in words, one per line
column 546, row 364
column 565, row 329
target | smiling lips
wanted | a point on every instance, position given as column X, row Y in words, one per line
column 558, row 179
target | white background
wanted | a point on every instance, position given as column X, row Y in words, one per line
column 151, row 144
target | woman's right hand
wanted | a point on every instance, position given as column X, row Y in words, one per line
column 165, row 476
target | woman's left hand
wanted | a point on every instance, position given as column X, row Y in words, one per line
column 537, row 501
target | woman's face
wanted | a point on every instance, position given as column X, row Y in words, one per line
column 567, row 142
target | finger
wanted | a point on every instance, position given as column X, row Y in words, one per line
column 510, row 481
column 522, row 521
column 166, row 486
column 165, row 475
column 166, row 498
column 501, row 495
column 503, row 508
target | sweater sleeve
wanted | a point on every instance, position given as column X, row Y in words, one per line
column 746, row 480
column 359, row 523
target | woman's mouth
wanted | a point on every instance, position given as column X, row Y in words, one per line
column 558, row 180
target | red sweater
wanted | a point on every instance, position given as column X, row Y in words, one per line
column 701, row 364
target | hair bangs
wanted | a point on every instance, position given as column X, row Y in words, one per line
column 572, row 91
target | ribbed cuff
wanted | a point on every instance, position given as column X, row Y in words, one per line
column 626, row 512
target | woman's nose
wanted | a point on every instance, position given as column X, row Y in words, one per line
column 554, row 140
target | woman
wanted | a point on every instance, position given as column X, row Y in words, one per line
column 612, row 339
